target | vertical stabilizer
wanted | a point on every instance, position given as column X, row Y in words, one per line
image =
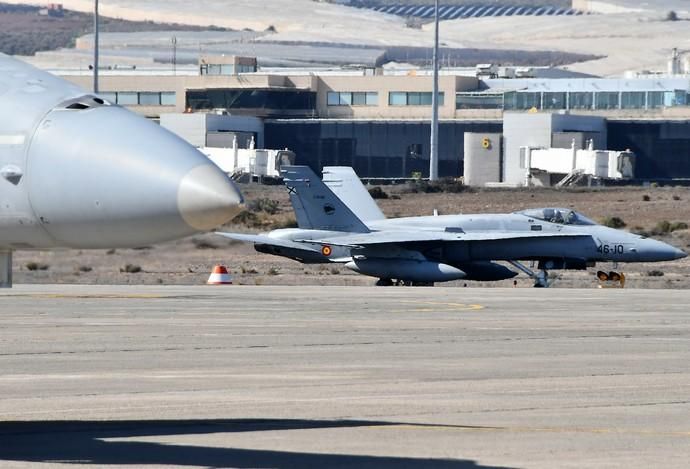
column 347, row 186
column 315, row 205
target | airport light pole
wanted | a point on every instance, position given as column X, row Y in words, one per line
column 433, row 153
column 95, row 46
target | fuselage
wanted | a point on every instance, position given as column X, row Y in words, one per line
column 589, row 242
column 77, row 171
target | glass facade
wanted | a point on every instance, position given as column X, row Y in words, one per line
column 412, row 98
column 397, row 98
column 261, row 101
column 478, row 101
column 245, row 68
column 606, row 100
column 109, row 96
column 550, row 100
column 522, row 100
column 374, row 148
column 633, row 100
column 675, row 98
column 168, row 98
column 581, row 100
column 149, row 99
column 352, row 98
column 141, row 98
column 655, row 99
column 126, row 98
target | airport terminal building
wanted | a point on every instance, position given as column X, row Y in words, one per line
column 378, row 121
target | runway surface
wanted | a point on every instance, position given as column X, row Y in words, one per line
column 294, row 377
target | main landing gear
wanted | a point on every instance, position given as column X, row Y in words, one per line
column 541, row 278
column 387, row 282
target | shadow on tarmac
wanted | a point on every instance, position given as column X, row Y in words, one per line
column 81, row 442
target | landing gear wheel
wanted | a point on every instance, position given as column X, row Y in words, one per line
column 384, row 282
column 410, row 283
column 541, row 280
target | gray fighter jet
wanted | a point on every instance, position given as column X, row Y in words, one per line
column 428, row 249
column 79, row 172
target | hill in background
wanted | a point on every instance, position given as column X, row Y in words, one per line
column 23, row 31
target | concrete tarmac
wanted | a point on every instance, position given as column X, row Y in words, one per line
column 294, row 377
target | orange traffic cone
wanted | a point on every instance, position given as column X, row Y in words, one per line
column 220, row 276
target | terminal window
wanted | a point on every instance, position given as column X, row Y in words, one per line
column 127, row 98
column 633, row 99
column 274, row 100
column 478, row 101
column 150, row 99
column 607, row 100
column 353, row 98
column 522, row 100
column 655, row 99
column 580, row 100
column 141, row 98
column 217, row 69
column 412, row 98
column 554, row 100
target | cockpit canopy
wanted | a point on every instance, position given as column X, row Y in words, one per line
column 562, row 216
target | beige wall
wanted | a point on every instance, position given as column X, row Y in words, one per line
column 109, row 83
column 383, row 85
column 321, row 84
column 180, row 84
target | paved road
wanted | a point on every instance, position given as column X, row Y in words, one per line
column 287, row 377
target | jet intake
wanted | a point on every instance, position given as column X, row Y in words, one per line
column 406, row 269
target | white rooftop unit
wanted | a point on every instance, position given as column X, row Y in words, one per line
column 487, row 70
column 603, row 164
column 524, row 72
column 255, row 162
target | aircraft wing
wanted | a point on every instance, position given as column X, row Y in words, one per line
column 401, row 237
column 263, row 239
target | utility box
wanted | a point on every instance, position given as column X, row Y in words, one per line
column 483, row 158
column 215, row 130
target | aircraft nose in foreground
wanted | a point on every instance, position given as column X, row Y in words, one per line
column 206, row 199
column 103, row 177
column 651, row 250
